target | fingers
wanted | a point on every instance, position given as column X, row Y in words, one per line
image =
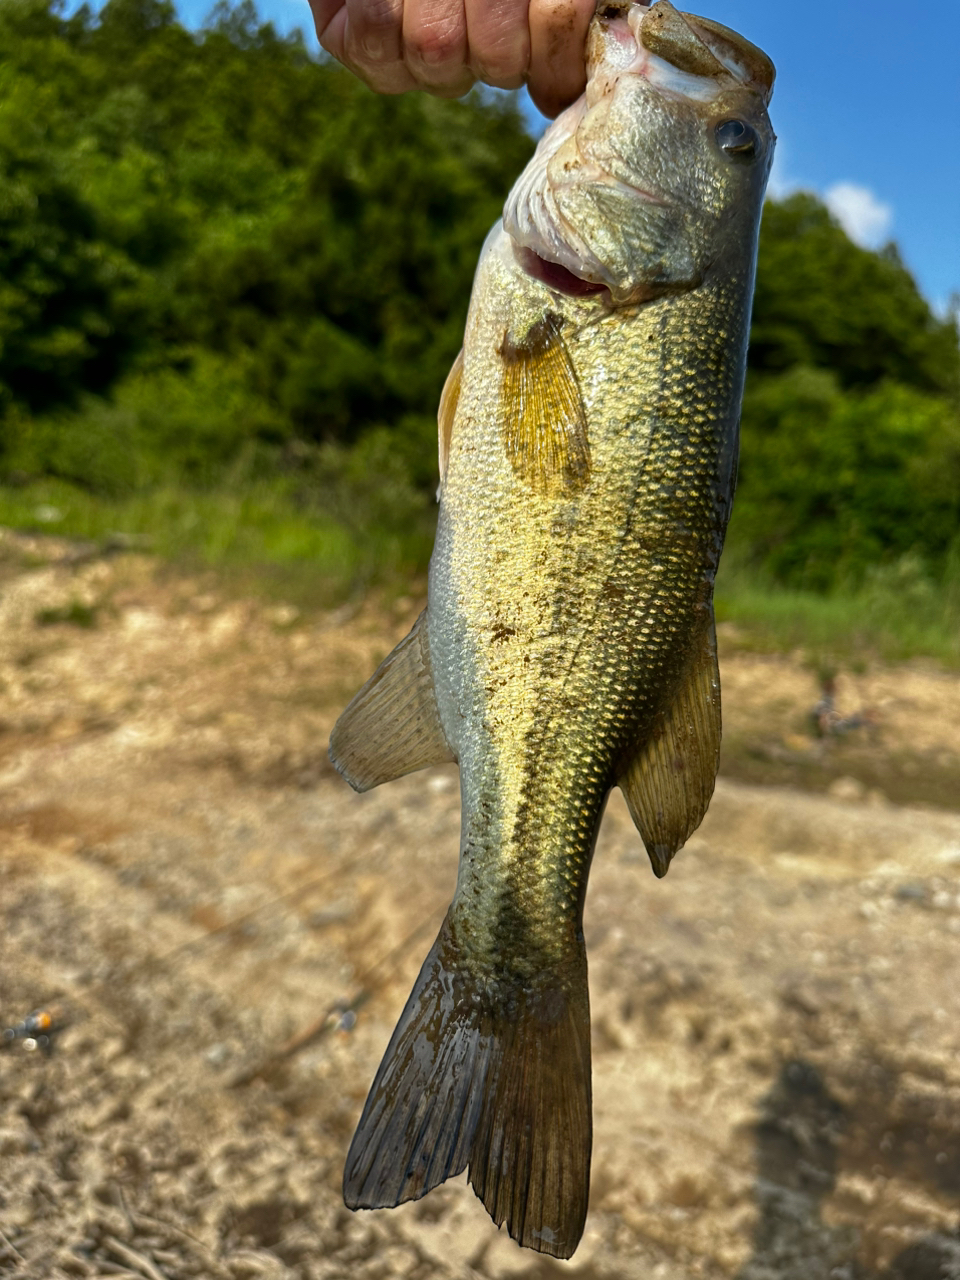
column 435, row 45
column 367, row 37
column 499, row 41
column 397, row 45
column 373, row 44
column 441, row 45
column 328, row 18
column 324, row 12
column 558, row 35
column 374, row 31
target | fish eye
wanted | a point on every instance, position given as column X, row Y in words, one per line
column 738, row 140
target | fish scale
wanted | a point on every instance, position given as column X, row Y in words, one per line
column 588, row 451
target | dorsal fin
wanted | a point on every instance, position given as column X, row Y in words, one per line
column 669, row 780
column 544, row 422
column 449, row 399
column 392, row 726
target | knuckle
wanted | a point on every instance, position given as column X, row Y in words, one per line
column 500, row 76
column 375, row 30
column 504, row 68
column 500, row 54
column 436, row 44
column 378, row 14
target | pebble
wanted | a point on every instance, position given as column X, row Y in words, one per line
column 847, row 790
column 915, row 891
column 16, row 1139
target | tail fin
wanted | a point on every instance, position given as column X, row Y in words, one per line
column 498, row 1078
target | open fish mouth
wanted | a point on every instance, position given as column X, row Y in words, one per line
column 556, row 276
column 681, row 56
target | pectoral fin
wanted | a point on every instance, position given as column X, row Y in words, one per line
column 392, row 726
column 544, row 422
column 669, row 781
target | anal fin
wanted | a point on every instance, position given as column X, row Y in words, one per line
column 392, row 726
column 669, row 780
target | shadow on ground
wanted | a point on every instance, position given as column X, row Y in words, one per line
column 802, row 1138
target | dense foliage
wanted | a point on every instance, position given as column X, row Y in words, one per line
column 851, row 421
column 225, row 210
column 823, row 301
column 220, row 257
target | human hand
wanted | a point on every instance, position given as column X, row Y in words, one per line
column 443, row 46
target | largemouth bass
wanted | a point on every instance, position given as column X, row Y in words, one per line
column 588, row 442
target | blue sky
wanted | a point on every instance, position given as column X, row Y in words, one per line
column 867, row 109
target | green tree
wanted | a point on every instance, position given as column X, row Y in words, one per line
column 66, row 291
column 823, row 301
column 171, row 193
column 214, row 247
column 832, row 481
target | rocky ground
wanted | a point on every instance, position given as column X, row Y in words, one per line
column 224, row 935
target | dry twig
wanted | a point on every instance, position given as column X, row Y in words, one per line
column 334, row 1015
column 16, row 1253
column 144, row 1266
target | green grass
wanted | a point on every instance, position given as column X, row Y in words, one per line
column 898, row 613
column 257, row 535
column 76, row 614
column 260, row 537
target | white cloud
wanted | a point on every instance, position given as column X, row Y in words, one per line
column 781, row 184
column 947, row 308
column 865, row 218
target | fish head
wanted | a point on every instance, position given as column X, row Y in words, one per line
column 656, row 174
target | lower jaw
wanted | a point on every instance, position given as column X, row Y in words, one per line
column 554, row 276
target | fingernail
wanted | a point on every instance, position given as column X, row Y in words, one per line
column 433, row 55
column 376, row 48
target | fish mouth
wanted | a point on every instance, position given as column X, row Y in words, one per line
column 702, row 48
column 546, row 244
column 556, row 276
column 679, row 55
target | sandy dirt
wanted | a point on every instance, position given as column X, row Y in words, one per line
column 225, row 936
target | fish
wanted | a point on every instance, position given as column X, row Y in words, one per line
column 588, row 439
